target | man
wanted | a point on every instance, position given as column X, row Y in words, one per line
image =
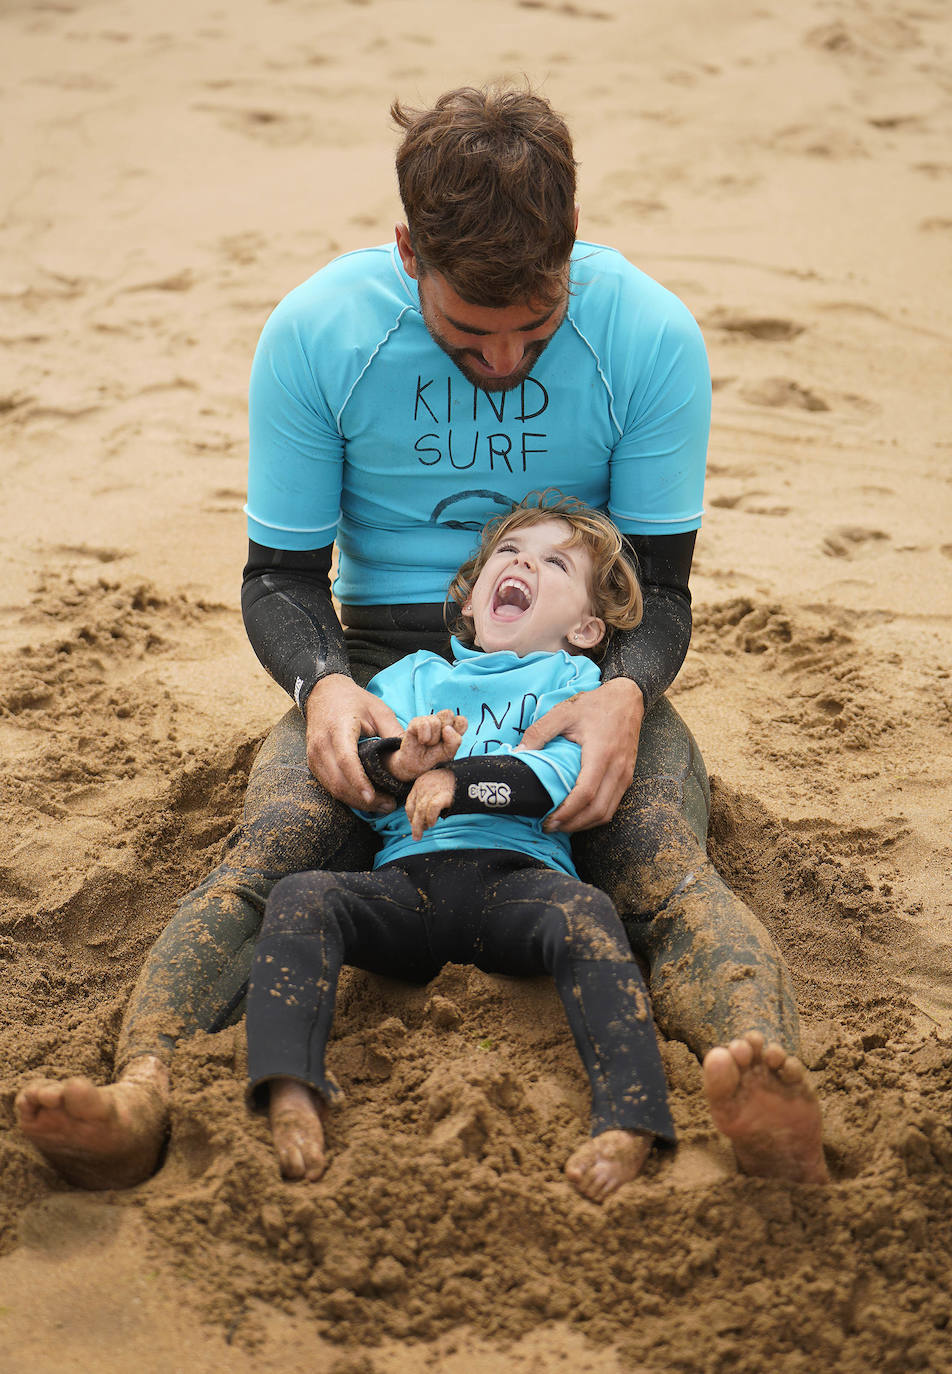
column 399, row 398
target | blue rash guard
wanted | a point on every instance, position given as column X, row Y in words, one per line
column 500, row 694
column 363, row 431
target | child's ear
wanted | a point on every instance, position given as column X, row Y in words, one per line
column 467, row 606
column 587, row 633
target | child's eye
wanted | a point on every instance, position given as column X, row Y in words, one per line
column 505, row 548
column 559, row 562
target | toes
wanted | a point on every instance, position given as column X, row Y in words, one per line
column 82, row 1099
column 792, row 1072
column 291, row 1162
column 722, row 1072
column 743, row 1052
column 775, row 1056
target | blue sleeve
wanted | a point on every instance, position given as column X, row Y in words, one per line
column 296, row 452
column 557, row 764
column 658, row 465
column 652, row 360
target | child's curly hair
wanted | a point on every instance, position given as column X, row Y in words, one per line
column 614, row 589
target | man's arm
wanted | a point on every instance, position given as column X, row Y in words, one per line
column 652, row 654
column 293, row 628
column 290, row 619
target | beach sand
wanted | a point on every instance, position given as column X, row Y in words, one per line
column 169, row 173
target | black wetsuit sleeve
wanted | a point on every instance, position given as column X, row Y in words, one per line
column 289, row 616
column 485, row 783
column 494, row 783
column 652, row 654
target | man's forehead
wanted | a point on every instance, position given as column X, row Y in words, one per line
column 489, row 319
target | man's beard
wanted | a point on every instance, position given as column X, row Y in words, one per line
column 460, row 357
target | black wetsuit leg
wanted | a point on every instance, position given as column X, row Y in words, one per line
column 533, row 920
column 500, row 910
column 315, row 923
column 715, row 972
column 195, row 976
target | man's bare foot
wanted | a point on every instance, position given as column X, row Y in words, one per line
column 295, row 1115
column 607, row 1161
column 761, row 1098
column 99, row 1137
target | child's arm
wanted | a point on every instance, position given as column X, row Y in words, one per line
column 428, row 741
column 482, row 784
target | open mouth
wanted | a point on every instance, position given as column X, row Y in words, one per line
column 512, row 599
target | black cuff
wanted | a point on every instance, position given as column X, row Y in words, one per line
column 370, row 752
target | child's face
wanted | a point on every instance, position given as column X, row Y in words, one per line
column 532, row 594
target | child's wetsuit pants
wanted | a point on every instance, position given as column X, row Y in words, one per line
column 500, row 910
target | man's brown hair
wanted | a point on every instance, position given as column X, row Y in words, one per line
column 614, row 590
column 487, row 180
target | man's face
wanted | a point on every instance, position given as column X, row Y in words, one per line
column 495, row 349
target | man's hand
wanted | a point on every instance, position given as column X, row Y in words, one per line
column 606, row 724
column 428, row 742
column 338, row 714
column 429, row 796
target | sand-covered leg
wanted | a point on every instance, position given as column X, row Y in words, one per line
column 606, row 1161
column 761, row 1098
column 99, row 1137
column 295, row 1111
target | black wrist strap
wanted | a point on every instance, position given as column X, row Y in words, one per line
column 371, row 754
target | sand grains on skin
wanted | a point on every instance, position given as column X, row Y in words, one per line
column 99, row 1137
column 602, row 1164
column 295, row 1112
column 761, row 1098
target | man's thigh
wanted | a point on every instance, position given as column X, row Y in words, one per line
column 291, row 823
column 658, row 833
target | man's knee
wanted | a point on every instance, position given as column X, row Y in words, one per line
column 645, row 853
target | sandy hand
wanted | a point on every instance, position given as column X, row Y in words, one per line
column 605, row 1162
column 429, row 796
column 428, row 741
column 761, row 1098
column 99, row 1137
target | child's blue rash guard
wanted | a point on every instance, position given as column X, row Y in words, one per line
column 500, row 695
column 362, row 430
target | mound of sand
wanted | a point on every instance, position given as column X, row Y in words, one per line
column 173, row 174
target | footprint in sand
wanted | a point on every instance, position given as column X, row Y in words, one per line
column 849, row 539
column 777, row 392
column 574, row 11
column 770, row 328
column 267, row 126
column 749, row 503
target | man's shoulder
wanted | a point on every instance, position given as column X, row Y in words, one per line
column 602, row 277
column 362, row 285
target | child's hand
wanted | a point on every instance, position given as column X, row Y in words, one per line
column 428, row 741
column 429, row 796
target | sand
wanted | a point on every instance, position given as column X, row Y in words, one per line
column 171, row 171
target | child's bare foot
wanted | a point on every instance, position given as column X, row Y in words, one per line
column 607, row 1161
column 99, row 1137
column 761, row 1098
column 295, row 1115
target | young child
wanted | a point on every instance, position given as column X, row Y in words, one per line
column 466, row 872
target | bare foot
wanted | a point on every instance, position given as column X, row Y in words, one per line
column 295, row 1115
column 99, row 1137
column 761, row 1098
column 607, row 1161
